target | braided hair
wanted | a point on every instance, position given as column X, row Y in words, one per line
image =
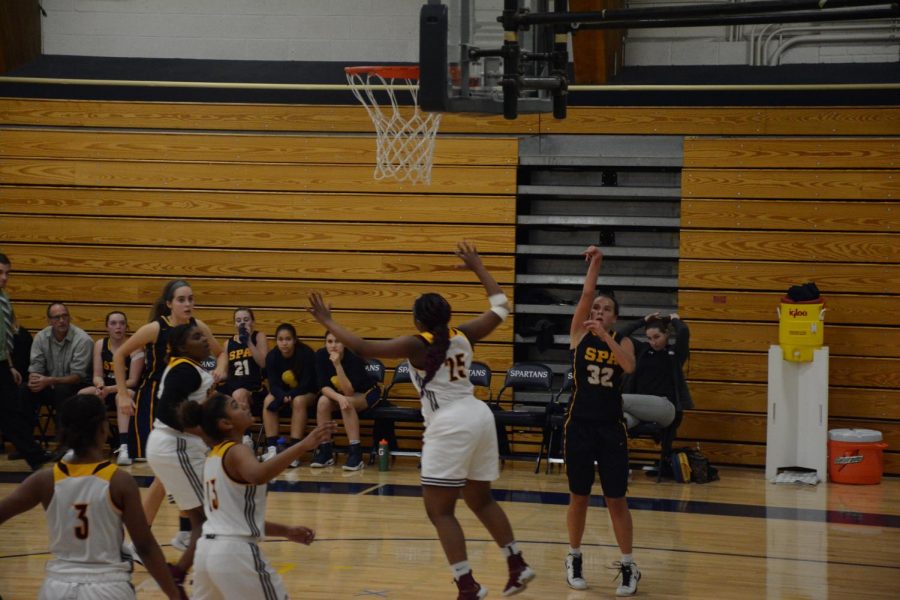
column 433, row 312
column 80, row 418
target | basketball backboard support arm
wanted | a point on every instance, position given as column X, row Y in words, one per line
column 535, row 79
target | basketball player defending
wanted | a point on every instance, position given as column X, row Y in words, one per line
column 460, row 442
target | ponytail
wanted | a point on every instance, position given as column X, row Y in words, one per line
column 206, row 415
column 433, row 312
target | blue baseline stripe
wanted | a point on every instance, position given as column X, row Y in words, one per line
column 698, row 507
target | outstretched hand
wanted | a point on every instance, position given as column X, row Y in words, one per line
column 467, row 253
column 320, row 311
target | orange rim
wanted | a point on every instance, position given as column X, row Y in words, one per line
column 387, row 72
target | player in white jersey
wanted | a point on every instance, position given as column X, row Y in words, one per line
column 87, row 500
column 175, row 451
column 228, row 562
column 460, row 443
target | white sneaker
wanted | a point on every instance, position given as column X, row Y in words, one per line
column 247, row 441
column 294, row 463
column 123, row 460
column 630, row 578
column 271, row 451
column 573, row 572
column 181, row 540
column 68, row 456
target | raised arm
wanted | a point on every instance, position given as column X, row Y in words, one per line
column 482, row 325
column 594, row 258
column 407, row 346
column 682, row 338
column 241, row 461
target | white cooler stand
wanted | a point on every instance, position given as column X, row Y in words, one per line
column 797, row 432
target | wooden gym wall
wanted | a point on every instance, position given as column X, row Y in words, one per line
column 101, row 217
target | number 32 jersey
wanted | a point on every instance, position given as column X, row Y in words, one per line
column 451, row 381
column 598, row 381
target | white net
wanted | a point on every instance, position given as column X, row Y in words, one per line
column 405, row 135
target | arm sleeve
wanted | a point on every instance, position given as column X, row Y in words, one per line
column 81, row 356
column 307, row 380
column 273, row 373
column 355, row 368
column 324, row 368
column 37, row 361
column 630, row 327
column 682, row 340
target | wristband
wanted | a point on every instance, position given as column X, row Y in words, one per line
column 498, row 300
column 500, row 311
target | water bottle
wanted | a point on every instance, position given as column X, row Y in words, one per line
column 384, row 456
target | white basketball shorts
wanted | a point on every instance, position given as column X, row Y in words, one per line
column 177, row 458
column 460, row 444
column 234, row 568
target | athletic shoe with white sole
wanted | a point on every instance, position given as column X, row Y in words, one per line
column 630, row 577
column 573, row 572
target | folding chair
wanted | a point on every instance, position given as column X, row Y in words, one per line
column 664, row 436
column 480, row 376
column 557, row 418
column 528, row 382
column 385, row 414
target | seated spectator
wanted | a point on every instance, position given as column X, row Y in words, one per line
column 657, row 390
column 246, row 351
column 291, row 372
column 345, row 385
column 60, row 361
column 105, row 376
column 17, row 422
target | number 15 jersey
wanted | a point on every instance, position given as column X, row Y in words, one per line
column 598, row 381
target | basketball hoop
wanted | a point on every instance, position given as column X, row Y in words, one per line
column 405, row 142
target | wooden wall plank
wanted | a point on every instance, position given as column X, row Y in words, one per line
column 793, row 245
column 750, row 306
column 247, row 176
column 261, row 235
column 863, row 403
column 746, row 367
column 723, row 426
column 791, row 183
column 802, row 153
column 380, row 326
column 230, row 293
column 176, row 146
column 324, row 118
column 731, row 121
column 841, row 340
column 202, row 262
column 779, row 276
column 796, row 215
column 285, row 206
column 824, row 121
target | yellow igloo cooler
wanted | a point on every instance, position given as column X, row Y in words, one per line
column 801, row 329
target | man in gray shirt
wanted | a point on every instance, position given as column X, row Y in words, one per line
column 60, row 360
